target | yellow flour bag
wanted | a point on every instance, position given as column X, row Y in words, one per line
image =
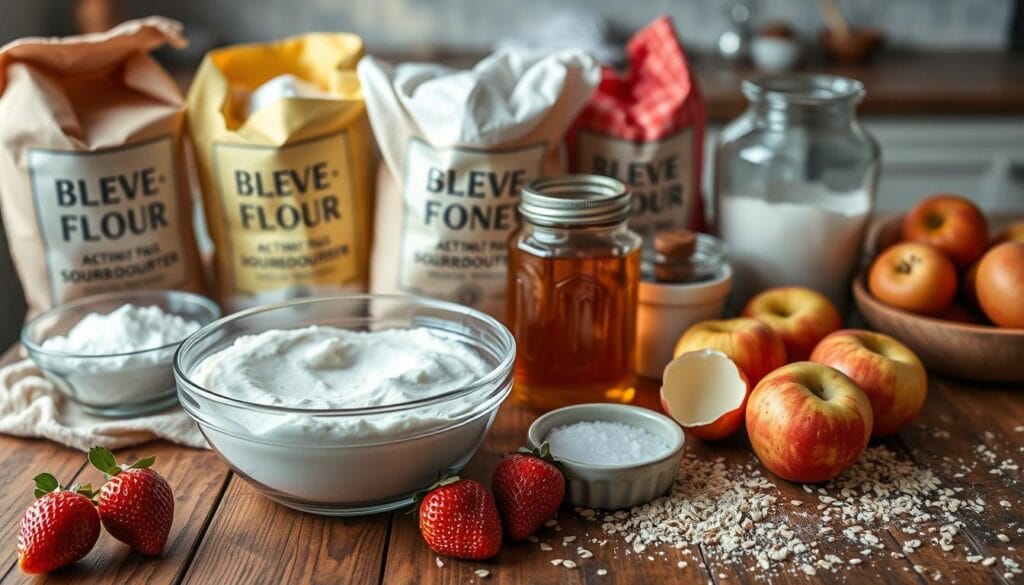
column 95, row 198
column 285, row 155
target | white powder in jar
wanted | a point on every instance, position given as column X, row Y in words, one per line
column 605, row 443
column 809, row 236
column 126, row 329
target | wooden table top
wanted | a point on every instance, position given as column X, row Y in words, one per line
column 226, row 532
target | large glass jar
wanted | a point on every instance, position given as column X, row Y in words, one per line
column 574, row 272
column 794, row 185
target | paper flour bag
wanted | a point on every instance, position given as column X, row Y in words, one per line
column 458, row 147
column 645, row 127
column 286, row 159
column 92, row 185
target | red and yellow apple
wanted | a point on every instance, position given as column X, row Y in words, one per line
column 751, row 344
column 888, row 372
column 808, row 422
column 1000, row 284
column 951, row 223
column 914, row 277
column 802, row 317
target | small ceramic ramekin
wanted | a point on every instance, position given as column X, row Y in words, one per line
column 614, row 487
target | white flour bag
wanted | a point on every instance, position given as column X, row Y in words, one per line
column 458, row 147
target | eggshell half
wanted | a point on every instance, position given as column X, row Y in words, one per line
column 706, row 393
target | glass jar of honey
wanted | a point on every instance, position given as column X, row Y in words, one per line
column 574, row 269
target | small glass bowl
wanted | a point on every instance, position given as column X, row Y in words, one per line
column 350, row 461
column 705, row 263
column 115, row 385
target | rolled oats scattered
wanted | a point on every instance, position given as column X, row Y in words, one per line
column 482, row 573
column 569, row 564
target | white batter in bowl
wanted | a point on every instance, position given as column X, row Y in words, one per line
column 346, row 405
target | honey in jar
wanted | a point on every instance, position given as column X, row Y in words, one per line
column 574, row 268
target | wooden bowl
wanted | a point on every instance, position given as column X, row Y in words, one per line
column 964, row 350
column 859, row 47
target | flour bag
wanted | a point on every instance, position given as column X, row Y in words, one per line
column 458, row 146
column 92, row 187
column 645, row 127
column 285, row 159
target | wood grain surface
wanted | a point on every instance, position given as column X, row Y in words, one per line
column 226, row 532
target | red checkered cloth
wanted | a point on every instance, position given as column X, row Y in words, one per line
column 654, row 98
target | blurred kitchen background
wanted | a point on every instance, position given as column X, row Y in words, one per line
column 945, row 78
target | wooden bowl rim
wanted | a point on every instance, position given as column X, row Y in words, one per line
column 860, row 292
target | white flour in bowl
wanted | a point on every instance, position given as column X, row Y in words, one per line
column 126, row 329
column 118, row 361
column 809, row 237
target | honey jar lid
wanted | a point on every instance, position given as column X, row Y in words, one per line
column 575, row 200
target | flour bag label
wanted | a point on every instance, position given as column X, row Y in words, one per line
column 659, row 173
column 460, row 206
column 291, row 213
column 109, row 219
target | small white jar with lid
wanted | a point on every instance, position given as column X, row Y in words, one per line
column 685, row 281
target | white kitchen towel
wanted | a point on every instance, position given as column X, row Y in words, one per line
column 31, row 406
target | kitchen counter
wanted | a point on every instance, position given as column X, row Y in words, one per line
column 934, row 83
column 948, row 84
column 225, row 532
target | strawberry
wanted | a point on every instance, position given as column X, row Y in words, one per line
column 458, row 519
column 59, row 528
column 136, row 504
column 528, row 488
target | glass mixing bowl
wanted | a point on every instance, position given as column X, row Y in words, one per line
column 115, row 385
column 350, row 461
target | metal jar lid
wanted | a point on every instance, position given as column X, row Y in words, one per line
column 575, row 200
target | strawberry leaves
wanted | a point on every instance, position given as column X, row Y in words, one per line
column 101, row 458
column 45, row 483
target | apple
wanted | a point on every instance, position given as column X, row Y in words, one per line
column 808, row 422
column 801, row 317
column 751, row 344
column 888, row 372
column 951, row 223
column 914, row 277
column 1000, row 284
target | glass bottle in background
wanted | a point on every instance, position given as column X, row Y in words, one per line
column 794, row 185
column 574, row 269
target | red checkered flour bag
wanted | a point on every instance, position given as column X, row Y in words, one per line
column 645, row 127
